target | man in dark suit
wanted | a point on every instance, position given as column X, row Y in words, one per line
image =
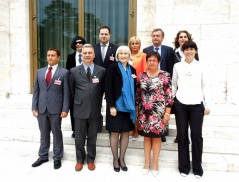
column 166, row 53
column 104, row 51
column 87, row 87
column 50, row 103
column 73, row 60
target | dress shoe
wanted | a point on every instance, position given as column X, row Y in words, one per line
column 176, row 140
column 57, row 164
column 116, row 169
column 79, row 167
column 73, row 135
column 155, row 173
column 39, row 162
column 123, row 168
column 91, row 166
column 164, row 139
column 145, row 171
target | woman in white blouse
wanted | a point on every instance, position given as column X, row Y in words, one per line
column 188, row 84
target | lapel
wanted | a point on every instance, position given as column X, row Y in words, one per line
column 108, row 50
column 82, row 71
column 177, row 55
column 162, row 53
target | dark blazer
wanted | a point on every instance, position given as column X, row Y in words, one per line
column 54, row 98
column 110, row 52
column 71, row 61
column 167, row 57
column 87, row 95
column 114, row 83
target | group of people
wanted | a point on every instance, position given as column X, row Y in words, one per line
column 140, row 89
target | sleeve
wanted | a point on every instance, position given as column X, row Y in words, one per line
column 174, row 82
column 35, row 96
column 207, row 97
column 109, row 86
column 66, row 93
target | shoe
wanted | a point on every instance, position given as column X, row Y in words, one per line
column 130, row 137
column 176, row 140
column 145, row 171
column 39, row 162
column 116, row 169
column 79, row 167
column 164, row 139
column 91, row 166
column 183, row 174
column 155, row 173
column 197, row 176
column 57, row 164
column 73, row 135
column 135, row 139
column 123, row 168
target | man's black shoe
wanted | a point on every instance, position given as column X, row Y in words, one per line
column 57, row 164
column 164, row 139
column 39, row 162
column 73, row 135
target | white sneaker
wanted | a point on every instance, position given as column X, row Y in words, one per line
column 183, row 174
column 198, row 176
column 135, row 139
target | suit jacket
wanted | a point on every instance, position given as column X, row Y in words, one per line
column 110, row 52
column 71, row 61
column 54, row 98
column 114, row 83
column 167, row 57
column 87, row 95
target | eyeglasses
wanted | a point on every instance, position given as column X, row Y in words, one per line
column 78, row 42
column 183, row 37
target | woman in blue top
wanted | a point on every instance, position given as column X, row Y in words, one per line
column 120, row 88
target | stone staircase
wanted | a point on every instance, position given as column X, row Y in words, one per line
column 220, row 132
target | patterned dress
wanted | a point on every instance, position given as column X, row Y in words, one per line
column 153, row 96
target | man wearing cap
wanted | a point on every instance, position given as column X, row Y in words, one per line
column 73, row 60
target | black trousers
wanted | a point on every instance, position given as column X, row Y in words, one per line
column 192, row 116
column 83, row 128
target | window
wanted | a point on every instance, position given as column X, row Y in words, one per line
column 54, row 23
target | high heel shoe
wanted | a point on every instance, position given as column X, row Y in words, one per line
column 116, row 169
column 123, row 168
column 145, row 171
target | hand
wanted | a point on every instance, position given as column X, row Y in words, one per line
column 64, row 114
column 166, row 118
column 206, row 111
column 35, row 113
column 113, row 111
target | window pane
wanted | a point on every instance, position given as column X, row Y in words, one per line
column 112, row 13
column 57, row 24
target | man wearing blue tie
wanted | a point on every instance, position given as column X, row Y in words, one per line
column 166, row 53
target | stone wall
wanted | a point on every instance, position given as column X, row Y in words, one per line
column 214, row 25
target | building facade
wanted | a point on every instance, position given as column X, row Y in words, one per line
column 214, row 25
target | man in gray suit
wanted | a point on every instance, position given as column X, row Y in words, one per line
column 50, row 103
column 86, row 86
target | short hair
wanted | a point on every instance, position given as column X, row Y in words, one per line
column 73, row 43
column 155, row 54
column 156, row 30
column 56, row 50
column 123, row 48
column 189, row 44
column 88, row 46
column 104, row 27
column 134, row 39
column 176, row 43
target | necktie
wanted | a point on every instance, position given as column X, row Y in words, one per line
column 88, row 73
column 157, row 49
column 80, row 60
column 48, row 76
column 103, row 52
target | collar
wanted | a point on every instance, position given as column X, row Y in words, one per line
column 54, row 67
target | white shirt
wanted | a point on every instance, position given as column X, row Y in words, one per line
column 188, row 83
column 52, row 71
column 77, row 59
column 182, row 56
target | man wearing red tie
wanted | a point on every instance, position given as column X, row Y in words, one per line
column 50, row 103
